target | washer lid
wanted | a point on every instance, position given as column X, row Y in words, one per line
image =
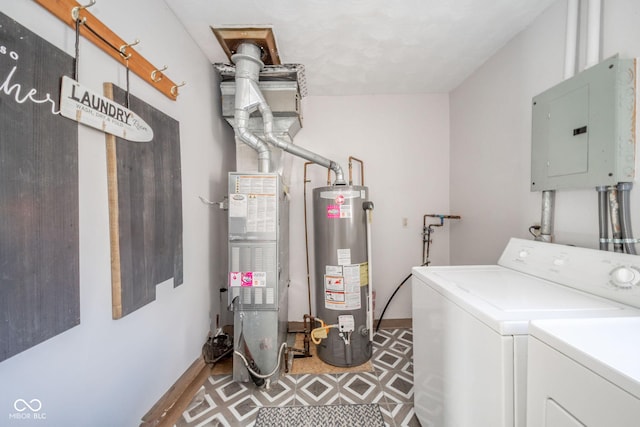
column 510, row 291
column 506, row 300
column 608, row 347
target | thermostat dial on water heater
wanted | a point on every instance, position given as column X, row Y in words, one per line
column 624, row 277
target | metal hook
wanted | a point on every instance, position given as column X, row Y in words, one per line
column 124, row 47
column 75, row 12
column 155, row 73
column 174, row 89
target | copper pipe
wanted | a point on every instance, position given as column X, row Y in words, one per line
column 309, row 323
column 361, row 170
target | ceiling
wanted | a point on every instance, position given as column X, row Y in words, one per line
column 355, row 47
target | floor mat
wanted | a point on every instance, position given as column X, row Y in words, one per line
column 365, row 415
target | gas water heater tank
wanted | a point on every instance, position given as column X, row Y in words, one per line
column 341, row 272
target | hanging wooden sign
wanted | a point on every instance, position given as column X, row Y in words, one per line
column 92, row 109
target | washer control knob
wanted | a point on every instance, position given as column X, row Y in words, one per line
column 523, row 253
column 624, row 277
column 558, row 261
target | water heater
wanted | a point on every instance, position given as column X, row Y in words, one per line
column 342, row 273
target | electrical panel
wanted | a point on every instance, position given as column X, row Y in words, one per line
column 583, row 129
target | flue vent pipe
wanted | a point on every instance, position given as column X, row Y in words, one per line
column 247, row 100
column 248, row 67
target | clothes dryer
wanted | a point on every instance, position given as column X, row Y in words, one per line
column 584, row 372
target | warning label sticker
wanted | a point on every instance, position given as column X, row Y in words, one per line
column 342, row 293
column 333, row 211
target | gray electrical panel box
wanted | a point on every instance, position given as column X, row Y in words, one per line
column 583, row 129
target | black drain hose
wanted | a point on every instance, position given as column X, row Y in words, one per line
column 388, row 302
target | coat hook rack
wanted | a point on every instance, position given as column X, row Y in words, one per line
column 156, row 75
column 174, row 89
column 70, row 11
column 75, row 12
column 124, row 47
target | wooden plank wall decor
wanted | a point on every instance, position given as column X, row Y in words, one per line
column 39, row 237
column 145, row 208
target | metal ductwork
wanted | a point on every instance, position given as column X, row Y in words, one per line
column 254, row 121
column 281, row 87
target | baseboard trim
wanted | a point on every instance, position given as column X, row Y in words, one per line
column 167, row 411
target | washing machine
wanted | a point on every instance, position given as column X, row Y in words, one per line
column 471, row 325
column 584, row 372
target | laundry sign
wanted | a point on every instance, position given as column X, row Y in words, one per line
column 92, row 109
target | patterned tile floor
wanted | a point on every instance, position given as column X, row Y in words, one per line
column 222, row 402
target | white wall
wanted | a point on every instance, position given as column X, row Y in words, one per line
column 110, row 372
column 491, row 138
column 403, row 141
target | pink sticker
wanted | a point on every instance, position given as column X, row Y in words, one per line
column 247, row 278
column 234, row 278
column 333, row 211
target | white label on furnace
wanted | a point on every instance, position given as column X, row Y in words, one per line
column 256, row 184
column 260, row 278
column 333, row 270
column 270, row 296
column 238, row 206
column 261, row 213
column 344, row 256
